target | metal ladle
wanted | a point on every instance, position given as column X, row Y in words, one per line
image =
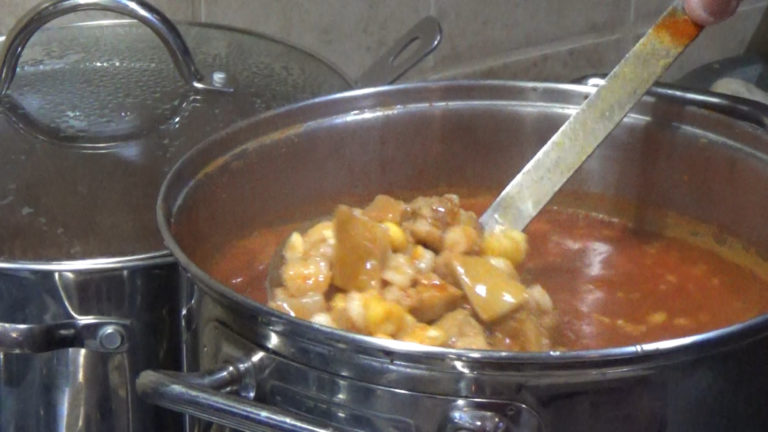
column 570, row 146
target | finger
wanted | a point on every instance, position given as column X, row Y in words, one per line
column 708, row 12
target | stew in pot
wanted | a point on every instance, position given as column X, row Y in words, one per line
column 424, row 272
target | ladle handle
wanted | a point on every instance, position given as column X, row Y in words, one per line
column 45, row 12
column 417, row 43
column 199, row 395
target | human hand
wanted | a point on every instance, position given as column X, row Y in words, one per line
column 708, row 12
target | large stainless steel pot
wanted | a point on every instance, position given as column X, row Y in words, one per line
column 294, row 164
column 91, row 120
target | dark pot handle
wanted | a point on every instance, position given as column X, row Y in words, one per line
column 200, row 395
column 410, row 49
column 739, row 108
column 141, row 11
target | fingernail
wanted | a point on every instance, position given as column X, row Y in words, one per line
column 707, row 12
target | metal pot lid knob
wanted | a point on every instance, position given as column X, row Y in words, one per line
column 141, row 11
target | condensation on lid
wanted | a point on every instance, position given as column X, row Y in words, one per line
column 97, row 116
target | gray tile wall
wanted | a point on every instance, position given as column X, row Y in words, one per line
column 554, row 40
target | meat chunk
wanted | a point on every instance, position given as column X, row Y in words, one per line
column 304, row 275
column 384, row 208
column 303, row 307
column 362, row 247
column 529, row 329
column 491, row 291
column 426, row 218
column 399, row 270
column 462, row 330
column 435, row 298
column 461, row 239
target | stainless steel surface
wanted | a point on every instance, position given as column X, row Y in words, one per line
column 485, row 416
column 254, row 374
column 413, row 139
column 214, row 397
column 92, row 333
column 412, row 47
column 180, row 393
column 569, row 147
column 145, row 13
column 72, row 343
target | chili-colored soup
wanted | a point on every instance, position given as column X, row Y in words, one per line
column 611, row 285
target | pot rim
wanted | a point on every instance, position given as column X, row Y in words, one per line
column 92, row 264
column 710, row 341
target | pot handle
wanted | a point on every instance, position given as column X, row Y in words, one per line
column 141, row 11
column 736, row 107
column 410, row 49
column 214, row 397
column 200, row 395
column 97, row 334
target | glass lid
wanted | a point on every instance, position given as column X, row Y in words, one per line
column 94, row 115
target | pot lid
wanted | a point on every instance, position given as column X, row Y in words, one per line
column 98, row 113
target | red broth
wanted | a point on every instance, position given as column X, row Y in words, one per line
column 611, row 285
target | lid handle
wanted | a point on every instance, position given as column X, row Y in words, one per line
column 139, row 10
column 410, row 49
